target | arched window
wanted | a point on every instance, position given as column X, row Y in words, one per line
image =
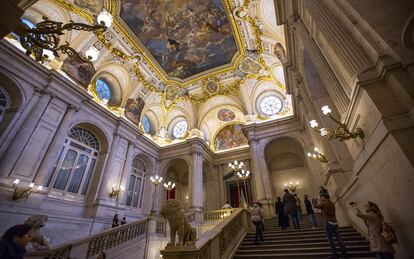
column 4, row 102
column 146, row 124
column 28, row 23
column 136, row 183
column 271, row 105
column 180, row 129
column 102, row 89
column 77, row 160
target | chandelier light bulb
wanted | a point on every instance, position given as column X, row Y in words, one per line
column 326, row 110
column 16, row 181
column 236, row 162
column 31, row 185
column 297, row 183
column 309, row 154
column 92, row 54
column 39, row 188
column 324, row 132
column 313, row 124
column 316, row 149
column 48, row 54
column 105, row 18
column 314, row 155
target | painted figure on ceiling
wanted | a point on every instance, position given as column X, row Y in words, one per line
column 133, row 109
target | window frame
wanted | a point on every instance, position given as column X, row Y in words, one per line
column 266, row 95
column 3, row 109
column 81, row 149
column 138, row 174
column 176, row 124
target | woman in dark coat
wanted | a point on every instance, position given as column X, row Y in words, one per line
column 115, row 221
column 280, row 211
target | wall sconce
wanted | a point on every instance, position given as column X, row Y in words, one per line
column 292, row 186
column 116, row 191
column 21, row 192
column 317, row 156
column 341, row 133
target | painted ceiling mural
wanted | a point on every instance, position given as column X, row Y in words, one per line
column 230, row 136
column 185, row 37
column 185, row 53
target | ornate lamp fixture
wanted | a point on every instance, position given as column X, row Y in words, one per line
column 244, row 175
column 21, row 192
column 317, row 156
column 341, row 133
column 169, row 186
column 156, row 181
column 116, row 191
column 236, row 165
column 292, row 186
column 43, row 41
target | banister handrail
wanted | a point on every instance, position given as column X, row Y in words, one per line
column 220, row 241
column 97, row 243
column 217, row 215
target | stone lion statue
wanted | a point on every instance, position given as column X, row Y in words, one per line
column 175, row 216
column 38, row 239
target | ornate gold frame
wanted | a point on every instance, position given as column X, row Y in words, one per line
column 114, row 9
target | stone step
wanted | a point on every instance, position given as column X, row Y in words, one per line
column 298, row 231
column 295, row 241
column 276, row 251
column 300, row 235
column 315, row 255
column 311, row 243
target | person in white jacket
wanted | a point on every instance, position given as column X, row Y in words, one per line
column 256, row 216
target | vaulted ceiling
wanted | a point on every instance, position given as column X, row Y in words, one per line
column 214, row 64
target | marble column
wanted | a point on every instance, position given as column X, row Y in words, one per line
column 195, row 185
column 51, row 156
column 333, row 86
column 335, row 41
column 261, row 177
column 16, row 146
column 105, row 185
column 126, row 171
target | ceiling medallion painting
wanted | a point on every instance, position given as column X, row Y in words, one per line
column 226, row 115
column 185, row 37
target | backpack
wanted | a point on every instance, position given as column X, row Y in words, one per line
column 388, row 233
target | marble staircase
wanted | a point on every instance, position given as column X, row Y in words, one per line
column 303, row 243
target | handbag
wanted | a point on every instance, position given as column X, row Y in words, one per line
column 388, row 233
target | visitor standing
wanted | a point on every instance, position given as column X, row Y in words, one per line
column 291, row 208
column 328, row 213
column 280, row 212
column 115, row 221
column 256, row 216
column 227, row 205
column 309, row 210
column 14, row 241
column 123, row 221
column 299, row 205
column 374, row 222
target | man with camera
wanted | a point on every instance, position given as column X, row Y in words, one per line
column 327, row 208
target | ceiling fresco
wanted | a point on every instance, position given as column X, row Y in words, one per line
column 185, row 37
column 208, row 61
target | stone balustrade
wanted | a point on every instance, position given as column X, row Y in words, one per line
column 92, row 246
column 219, row 242
column 217, row 215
